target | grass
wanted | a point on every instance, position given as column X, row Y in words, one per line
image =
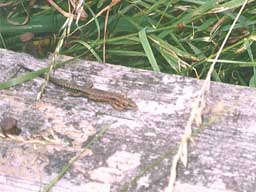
column 176, row 37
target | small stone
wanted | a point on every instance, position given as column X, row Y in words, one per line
column 9, row 126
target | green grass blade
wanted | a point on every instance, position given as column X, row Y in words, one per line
column 147, row 48
column 31, row 75
column 67, row 167
column 89, row 47
column 21, row 79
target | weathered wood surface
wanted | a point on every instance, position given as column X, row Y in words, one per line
column 221, row 159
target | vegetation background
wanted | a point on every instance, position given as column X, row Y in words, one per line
column 172, row 36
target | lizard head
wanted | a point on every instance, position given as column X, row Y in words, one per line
column 125, row 104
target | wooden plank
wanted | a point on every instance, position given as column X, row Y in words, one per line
column 221, row 159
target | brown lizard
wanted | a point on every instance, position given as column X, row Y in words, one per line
column 116, row 100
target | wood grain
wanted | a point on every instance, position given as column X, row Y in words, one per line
column 221, row 159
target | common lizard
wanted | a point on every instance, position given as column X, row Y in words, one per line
column 116, row 100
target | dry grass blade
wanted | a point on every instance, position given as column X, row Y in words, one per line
column 82, row 15
column 196, row 112
column 113, row 3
